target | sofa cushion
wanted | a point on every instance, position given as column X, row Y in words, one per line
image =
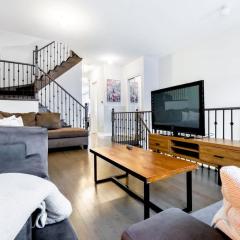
column 48, row 120
column 172, row 224
column 29, row 119
column 58, row 231
column 67, row 133
column 206, row 214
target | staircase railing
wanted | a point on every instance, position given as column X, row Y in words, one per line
column 16, row 79
column 56, row 99
column 19, row 81
column 50, row 56
column 133, row 127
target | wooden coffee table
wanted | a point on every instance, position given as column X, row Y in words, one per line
column 146, row 166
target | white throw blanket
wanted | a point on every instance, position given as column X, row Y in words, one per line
column 227, row 219
column 21, row 195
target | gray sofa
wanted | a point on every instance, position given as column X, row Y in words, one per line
column 59, row 135
column 175, row 224
column 25, row 150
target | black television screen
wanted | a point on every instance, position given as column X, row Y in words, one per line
column 179, row 109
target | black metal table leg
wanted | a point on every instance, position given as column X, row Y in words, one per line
column 219, row 178
column 189, row 191
column 146, row 201
column 95, row 168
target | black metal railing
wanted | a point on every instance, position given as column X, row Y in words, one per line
column 223, row 122
column 16, row 79
column 133, row 127
column 51, row 55
column 56, row 99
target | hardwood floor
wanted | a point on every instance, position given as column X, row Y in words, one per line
column 102, row 212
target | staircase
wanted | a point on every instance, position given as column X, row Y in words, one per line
column 36, row 81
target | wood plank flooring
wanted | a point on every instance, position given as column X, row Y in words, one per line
column 102, row 212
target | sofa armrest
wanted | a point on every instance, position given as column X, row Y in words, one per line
column 171, row 224
column 35, row 139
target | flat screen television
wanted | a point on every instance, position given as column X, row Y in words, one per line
column 179, row 109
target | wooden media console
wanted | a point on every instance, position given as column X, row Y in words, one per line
column 211, row 151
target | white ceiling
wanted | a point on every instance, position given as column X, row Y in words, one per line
column 120, row 29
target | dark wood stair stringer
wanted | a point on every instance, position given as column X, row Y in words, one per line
column 59, row 70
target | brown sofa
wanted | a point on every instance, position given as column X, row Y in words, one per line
column 58, row 136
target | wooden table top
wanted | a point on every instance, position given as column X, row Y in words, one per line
column 149, row 165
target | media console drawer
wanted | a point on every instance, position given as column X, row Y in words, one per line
column 219, row 156
column 159, row 145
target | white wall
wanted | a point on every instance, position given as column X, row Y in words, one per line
column 148, row 68
column 71, row 81
column 134, row 69
column 151, row 79
column 15, row 106
column 100, row 109
column 19, row 47
column 216, row 61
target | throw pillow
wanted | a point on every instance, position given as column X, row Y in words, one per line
column 48, row 120
column 29, row 119
column 6, row 114
column 12, row 121
column 227, row 219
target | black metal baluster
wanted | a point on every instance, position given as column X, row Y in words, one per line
column 9, row 84
column 45, row 89
column 54, row 58
column 44, row 66
column 14, row 80
column 64, row 53
column 57, row 99
column 73, row 117
column 18, row 75
column 4, row 74
column 47, row 60
column 57, row 55
column 22, row 79
column 77, row 120
column 50, row 57
column 223, row 124
column 69, row 109
column 62, row 103
column 53, row 96
column 209, row 123
column 60, row 53
column 66, row 107
column 80, row 114
column 215, row 123
column 231, row 123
